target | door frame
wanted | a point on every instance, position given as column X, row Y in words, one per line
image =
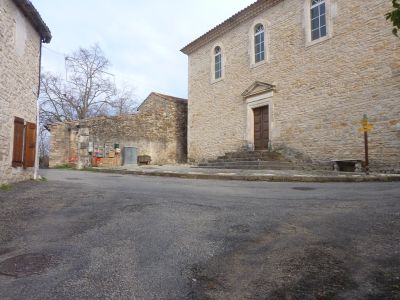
column 256, row 102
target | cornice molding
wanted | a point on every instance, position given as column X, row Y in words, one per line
column 242, row 16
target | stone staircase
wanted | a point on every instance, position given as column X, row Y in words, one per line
column 250, row 160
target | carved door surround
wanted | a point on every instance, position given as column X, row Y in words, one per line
column 257, row 96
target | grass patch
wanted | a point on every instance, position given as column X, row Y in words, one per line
column 42, row 179
column 5, row 187
column 89, row 169
column 62, row 167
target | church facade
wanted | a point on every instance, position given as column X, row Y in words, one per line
column 297, row 76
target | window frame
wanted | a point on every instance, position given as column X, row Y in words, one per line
column 213, row 65
column 330, row 11
column 217, row 63
column 320, row 29
column 259, row 44
column 252, row 41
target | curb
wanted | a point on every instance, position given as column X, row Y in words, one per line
column 267, row 178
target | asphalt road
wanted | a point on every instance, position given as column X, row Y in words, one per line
column 98, row 236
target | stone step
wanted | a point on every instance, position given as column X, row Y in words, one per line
column 253, row 154
column 272, row 165
column 252, row 167
column 235, row 159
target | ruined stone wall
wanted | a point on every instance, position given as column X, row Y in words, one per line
column 158, row 130
column 322, row 90
column 19, row 78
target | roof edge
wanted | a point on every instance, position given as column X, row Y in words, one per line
column 164, row 97
column 36, row 20
column 242, row 16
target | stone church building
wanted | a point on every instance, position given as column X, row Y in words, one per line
column 297, row 76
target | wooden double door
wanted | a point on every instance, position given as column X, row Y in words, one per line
column 261, row 128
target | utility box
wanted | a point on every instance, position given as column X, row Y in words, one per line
column 130, row 156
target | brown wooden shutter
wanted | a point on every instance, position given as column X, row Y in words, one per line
column 18, row 142
column 30, row 145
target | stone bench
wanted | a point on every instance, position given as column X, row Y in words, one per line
column 348, row 165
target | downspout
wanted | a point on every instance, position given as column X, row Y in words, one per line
column 35, row 174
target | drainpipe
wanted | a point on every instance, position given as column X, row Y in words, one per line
column 35, row 174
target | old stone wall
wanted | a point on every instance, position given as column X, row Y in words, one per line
column 19, row 78
column 158, row 129
column 322, row 90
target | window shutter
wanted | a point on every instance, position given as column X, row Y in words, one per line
column 30, row 145
column 18, row 142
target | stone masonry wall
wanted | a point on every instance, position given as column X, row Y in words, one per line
column 159, row 129
column 322, row 90
column 19, row 77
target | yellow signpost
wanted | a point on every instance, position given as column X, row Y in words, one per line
column 366, row 127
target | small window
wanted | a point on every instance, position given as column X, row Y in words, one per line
column 259, row 43
column 318, row 19
column 218, row 62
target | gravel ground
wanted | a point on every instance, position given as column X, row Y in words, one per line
column 100, row 236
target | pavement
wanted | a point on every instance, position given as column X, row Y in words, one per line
column 190, row 172
column 86, row 235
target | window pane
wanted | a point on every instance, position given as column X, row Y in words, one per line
column 218, row 72
column 314, row 23
column 323, row 31
column 322, row 20
column 315, row 34
column 314, row 12
column 258, row 49
column 218, row 65
column 259, row 46
column 322, row 9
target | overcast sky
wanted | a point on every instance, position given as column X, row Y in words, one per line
column 142, row 39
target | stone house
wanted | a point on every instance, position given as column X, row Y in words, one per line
column 297, row 76
column 22, row 32
column 158, row 130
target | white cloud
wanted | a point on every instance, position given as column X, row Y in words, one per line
column 142, row 39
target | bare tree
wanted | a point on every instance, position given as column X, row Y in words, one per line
column 125, row 101
column 88, row 90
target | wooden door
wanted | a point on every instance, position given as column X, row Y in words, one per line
column 18, row 155
column 261, row 128
column 30, row 145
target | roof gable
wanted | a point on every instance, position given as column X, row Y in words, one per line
column 242, row 16
column 162, row 97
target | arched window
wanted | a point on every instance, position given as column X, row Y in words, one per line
column 259, row 43
column 318, row 19
column 218, row 62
